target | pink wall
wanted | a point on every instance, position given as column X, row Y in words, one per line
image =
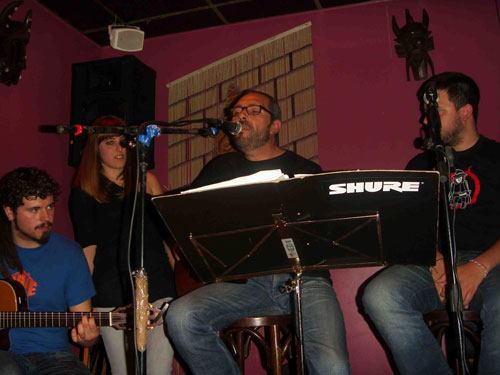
column 42, row 96
column 367, row 111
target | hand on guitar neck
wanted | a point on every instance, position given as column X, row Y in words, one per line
column 14, row 313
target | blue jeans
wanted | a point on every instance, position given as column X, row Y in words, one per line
column 194, row 320
column 58, row 363
column 395, row 301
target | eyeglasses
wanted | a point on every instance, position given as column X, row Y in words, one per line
column 252, row 110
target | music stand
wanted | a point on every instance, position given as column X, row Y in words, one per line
column 328, row 220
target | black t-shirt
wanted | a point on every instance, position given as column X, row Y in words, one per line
column 475, row 190
column 232, row 165
column 107, row 226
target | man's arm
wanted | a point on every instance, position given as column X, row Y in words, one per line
column 471, row 274
column 89, row 253
column 438, row 273
column 86, row 332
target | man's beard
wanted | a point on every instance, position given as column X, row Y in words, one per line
column 256, row 139
column 44, row 238
column 454, row 136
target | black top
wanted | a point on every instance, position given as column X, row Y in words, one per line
column 231, row 165
column 107, row 226
column 234, row 164
column 475, row 190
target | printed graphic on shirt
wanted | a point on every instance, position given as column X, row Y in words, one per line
column 27, row 281
column 464, row 188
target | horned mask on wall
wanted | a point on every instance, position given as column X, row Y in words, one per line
column 414, row 43
column 14, row 36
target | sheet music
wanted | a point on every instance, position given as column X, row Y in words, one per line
column 273, row 175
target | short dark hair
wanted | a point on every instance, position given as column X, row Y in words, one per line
column 274, row 106
column 461, row 89
column 14, row 186
column 26, row 182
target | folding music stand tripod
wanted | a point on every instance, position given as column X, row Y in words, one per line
column 328, row 220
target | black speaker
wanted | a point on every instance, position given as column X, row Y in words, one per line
column 122, row 86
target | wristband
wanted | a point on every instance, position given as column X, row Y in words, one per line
column 483, row 268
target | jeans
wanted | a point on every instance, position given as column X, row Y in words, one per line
column 120, row 348
column 194, row 320
column 395, row 301
column 58, row 363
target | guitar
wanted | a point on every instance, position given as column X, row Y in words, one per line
column 14, row 314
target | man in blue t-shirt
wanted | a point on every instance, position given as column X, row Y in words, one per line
column 51, row 268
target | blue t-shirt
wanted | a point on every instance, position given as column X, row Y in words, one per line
column 56, row 276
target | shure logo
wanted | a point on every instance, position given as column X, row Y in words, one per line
column 374, row 186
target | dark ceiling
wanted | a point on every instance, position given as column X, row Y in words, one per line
column 161, row 17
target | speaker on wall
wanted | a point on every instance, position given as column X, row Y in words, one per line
column 122, row 86
column 126, row 38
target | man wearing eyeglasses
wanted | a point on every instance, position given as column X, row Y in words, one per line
column 194, row 319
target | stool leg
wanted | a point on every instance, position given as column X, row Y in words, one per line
column 276, row 355
column 240, row 352
column 298, row 354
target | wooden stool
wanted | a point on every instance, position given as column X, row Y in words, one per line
column 275, row 344
column 95, row 359
column 439, row 323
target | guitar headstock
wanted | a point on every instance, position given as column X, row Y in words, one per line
column 123, row 317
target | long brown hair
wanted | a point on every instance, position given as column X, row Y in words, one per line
column 89, row 175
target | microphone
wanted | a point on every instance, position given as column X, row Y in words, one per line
column 232, row 128
column 79, row 129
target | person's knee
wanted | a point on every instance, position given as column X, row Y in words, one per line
column 181, row 318
column 174, row 318
column 377, row 296
column 9, row 365
column 491, row 315
column 11, row 369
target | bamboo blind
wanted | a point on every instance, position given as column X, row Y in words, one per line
column 281, row 66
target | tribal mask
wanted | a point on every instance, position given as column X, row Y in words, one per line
column 414, row 43
column 14, row 36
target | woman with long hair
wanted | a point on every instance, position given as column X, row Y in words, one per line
column 101, row 204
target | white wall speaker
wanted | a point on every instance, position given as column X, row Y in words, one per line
column 126, row 38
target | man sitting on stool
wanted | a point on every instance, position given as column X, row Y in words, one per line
column 194, row 319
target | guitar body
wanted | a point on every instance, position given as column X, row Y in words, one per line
column 185, row 281
column 12, row 298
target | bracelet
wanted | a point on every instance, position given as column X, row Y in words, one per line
column 485, row 271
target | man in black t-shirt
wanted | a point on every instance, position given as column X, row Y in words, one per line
column 194, row 319
column 396, row 299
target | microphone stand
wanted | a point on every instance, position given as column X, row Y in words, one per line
column 444, row 162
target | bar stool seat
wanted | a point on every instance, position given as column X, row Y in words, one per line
column 439, row 324
column 273, row 336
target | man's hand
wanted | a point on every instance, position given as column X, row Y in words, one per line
column 438, row 273
column 86, row 332
column 470, row 276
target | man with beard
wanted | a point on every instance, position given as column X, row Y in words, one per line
column 194, row 319
column 50, row 267
column 396, row 299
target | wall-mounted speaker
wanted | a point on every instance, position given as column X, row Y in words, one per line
column 126, row 38
column 122, row 86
